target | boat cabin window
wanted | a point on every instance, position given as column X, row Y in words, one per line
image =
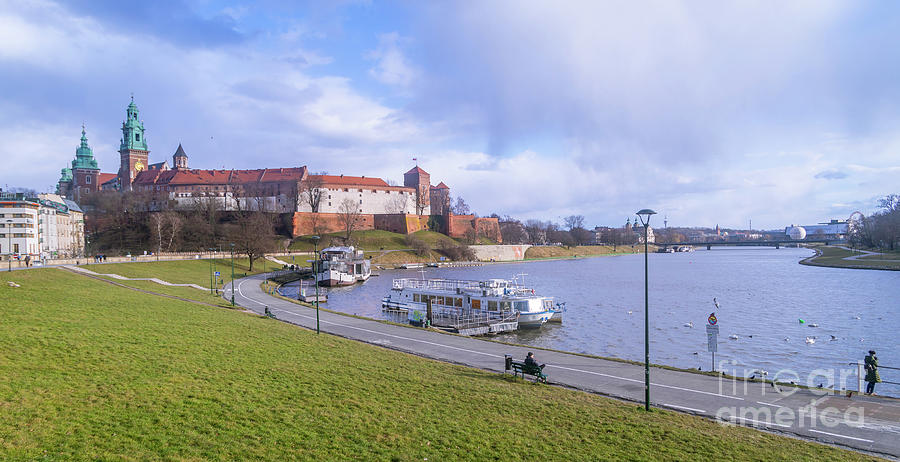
column 416, row 298
column 505, row 306
column 522, row 306
column 459, row 302
column 492, row 305
column 476, row 304
column 548, row 304
column 440, row 300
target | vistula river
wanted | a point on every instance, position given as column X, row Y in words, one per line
column 762, row 293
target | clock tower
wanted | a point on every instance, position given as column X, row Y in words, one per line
column 133, row 148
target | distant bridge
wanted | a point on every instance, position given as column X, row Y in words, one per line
column 777, row 243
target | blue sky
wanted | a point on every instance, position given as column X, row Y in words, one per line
column 709, row 112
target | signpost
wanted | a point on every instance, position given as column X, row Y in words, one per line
column 712, row 334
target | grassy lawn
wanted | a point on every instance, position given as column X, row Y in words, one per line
column 185, row 271
column 97, row 372
column 549, row 251
column 834, row 257
column 371, row 240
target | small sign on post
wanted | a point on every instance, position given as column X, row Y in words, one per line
column 712, row 337
column 218, row 274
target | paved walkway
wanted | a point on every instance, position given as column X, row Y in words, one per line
column 830, row 418
column 123, row 278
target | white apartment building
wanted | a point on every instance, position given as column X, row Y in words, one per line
column 41, row 228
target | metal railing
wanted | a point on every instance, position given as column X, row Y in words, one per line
column 861, row 374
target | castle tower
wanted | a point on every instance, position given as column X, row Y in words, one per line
column 133, row 150
column 421, row 181
column 84, row 176
column 180, row 159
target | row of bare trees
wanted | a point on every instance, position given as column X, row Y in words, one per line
column 881, row 230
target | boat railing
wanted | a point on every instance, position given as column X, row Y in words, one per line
column 435, row 284
column 465, row 319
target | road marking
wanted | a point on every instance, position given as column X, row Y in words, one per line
column 685, row 408
column 769, row 404
column 758, row 422
column 842, row 436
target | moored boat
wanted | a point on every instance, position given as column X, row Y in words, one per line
column 460, row 303
column 342, row 266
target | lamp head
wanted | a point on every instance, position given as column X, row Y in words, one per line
column 315, row 238
column 645, row 216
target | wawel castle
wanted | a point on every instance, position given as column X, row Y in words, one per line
column 404, row 209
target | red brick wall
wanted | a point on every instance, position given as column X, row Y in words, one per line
column 459, row 225
column 327, row 223
column 401, row 223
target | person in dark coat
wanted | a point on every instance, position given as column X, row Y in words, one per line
column 872, row 376
column 529, row 361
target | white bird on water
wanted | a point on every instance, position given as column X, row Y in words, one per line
column 733, row 336
column 629, row 311
column 689, row 324
column 810, row 340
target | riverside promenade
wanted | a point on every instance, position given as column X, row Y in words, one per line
column 869, row 424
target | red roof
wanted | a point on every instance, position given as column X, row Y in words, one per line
column 345, row 180
column 440, row 185
column 105, row 177
column 196, row 176
column 416, row 169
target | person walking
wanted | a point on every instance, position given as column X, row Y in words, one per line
column 872, row 376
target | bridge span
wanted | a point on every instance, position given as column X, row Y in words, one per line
column 777, row 243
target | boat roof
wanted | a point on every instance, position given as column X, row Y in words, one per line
column 339, row 248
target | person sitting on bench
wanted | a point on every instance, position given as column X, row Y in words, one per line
column 529, row 361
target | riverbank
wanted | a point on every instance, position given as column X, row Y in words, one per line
column 842, row 257
column 96, row 371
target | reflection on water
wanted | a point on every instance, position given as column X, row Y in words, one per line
column 763, row 293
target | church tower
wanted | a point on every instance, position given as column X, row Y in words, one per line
column 84, row 176
column 180, row 159
column 133, row 148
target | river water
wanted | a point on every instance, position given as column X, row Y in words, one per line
column 762, row 293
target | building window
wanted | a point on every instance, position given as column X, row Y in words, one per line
column 87, row 179
column 137, row 136
column 329, row 204
column 360, row 201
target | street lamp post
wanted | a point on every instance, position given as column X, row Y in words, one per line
column 645, row 220
column 9, row 243
column 232, row 274
column 316, row 276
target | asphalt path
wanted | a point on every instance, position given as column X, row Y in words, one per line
column 869, row 424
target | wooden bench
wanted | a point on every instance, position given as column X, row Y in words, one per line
column 521, row 368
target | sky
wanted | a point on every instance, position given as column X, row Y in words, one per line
column 708, row 112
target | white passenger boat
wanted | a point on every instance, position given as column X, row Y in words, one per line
column 456, row 302
column 342, row 266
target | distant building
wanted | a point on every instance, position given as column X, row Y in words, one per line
column 834, row 229
column 46, row 226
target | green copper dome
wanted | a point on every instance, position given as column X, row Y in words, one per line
column 84, row 155
column 133, row 130
column 66, row 175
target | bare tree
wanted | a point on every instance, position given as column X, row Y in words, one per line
column 574, row 221
column 252, row 234
column 421, row 196
column 348, row 215
column 173, row 221
column 397, row 204
column 460, row 207
column 157, row 226
column 312, row 191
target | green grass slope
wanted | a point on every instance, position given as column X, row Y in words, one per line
column 97, row 372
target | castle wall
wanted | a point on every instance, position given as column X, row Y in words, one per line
column 306, row 223
column 369, row 200
column 459, row 226
column 401, row 223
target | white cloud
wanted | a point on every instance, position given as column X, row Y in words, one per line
column 391, row 65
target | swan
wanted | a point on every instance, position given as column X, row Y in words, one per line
column 689, row 324
column 810, row 340
column 733, row 337
column 813, row 325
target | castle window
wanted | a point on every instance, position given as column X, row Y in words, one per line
column 137, row 136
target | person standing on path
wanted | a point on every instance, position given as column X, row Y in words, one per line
column 872, row 376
